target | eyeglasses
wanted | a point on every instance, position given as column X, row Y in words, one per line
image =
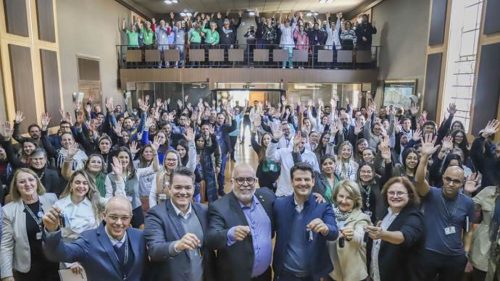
column 454, row 181
column 115, row 218
column 396, row 193
column 241, row 180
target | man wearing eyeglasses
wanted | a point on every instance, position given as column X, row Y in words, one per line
column 240, row 229
column 175, row 231
column 113, row 251
column 448, row 214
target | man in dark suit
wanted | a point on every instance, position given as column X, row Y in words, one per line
column 111, row 252
column 175, row 231
column 302, row 228
column 240, row 229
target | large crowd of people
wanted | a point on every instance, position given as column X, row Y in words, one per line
column 288, row 32
column 375, row 193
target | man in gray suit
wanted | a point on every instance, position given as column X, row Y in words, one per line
column 241, row 229
column 175, row 231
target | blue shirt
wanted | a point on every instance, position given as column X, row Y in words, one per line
column 445, row 220
column 260, row 229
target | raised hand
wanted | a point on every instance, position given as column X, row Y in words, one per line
column 109, row 104
column 417, row 135
column 414, row 109
column 134, row 148
column 19, row 117
column 149, row 122
column 297, row 140
column 447, row 143
column 472, row 183
column 6, row 130
column 428, row 145
column 358, row 128
column 452, row 108
column 118, row 129
column 491, row 128
column 72, row 150
column 45, row 120
column 385, row 149
column 156, row 143
column 189, row 134
column 117, row 167
column 277, row 133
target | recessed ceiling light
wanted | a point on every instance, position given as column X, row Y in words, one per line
column 183, row 14
column 168, row 2
column 309, row 14
column 175, row 1
column 251, row 13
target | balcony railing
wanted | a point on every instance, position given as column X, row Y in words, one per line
column 246, row 56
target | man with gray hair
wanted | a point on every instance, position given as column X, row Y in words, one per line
column 240, row 229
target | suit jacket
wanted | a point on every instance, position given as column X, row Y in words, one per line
column 234, row 263
column 15, row 253
column 396, row 262
column 319, row 264
column 162, row 228
column 94, row 251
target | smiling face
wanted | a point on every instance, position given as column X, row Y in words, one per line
column 243, row 183
column 411, row 160
column 181, row 191
column 38, row 161
column 302, row 182
column 397, row 196
column 95, row 164
column 124, row 159
column 182, row 151
column 79, row 186
column 345, row 202
column 459, row 138
column 171, row 162
column 117, row 215
column 148, row 154
column 28, row 147
column 368, row 156
column 346, row 152
column 67, row 141
column 26, row 184
column 266, row 140
column 366, row 174
column 34, row 132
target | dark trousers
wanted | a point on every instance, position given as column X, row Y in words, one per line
column 449, row 268
column 266, row 276
column 221, row 176
column 40, row 271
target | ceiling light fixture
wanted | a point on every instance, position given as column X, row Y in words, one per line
column 168, row 2
column 183, row 14
column 251, row 13
column 175, row 1
column 309, row 14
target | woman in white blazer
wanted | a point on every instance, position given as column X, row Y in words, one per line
column 21, row 253
column 348, row 252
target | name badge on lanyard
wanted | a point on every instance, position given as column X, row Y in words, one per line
column 450, row 230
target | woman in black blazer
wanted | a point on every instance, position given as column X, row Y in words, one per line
column 396, row 239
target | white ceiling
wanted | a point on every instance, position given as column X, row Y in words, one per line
column 285, row 6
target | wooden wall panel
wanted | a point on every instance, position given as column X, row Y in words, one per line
column 45, row 15
column 432, row 80
column 438, row 22
column 487, row 88
column 22, row 81
column 16, row 18
column 50, row 78
column 492, row 20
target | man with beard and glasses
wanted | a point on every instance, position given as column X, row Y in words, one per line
column 302, row 228
column 175, row 231
column 240, row 229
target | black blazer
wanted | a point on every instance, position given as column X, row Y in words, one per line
column 163, row 227
column 396, row 262
column 233, row 263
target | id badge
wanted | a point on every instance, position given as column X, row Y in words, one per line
column 449, row 230
column 39, row 235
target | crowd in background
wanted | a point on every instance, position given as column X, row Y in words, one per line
column 288, row 32
column 376, row 192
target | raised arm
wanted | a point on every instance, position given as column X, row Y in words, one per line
column 428, row 148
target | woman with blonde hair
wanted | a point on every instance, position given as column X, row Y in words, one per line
column 161, row 181
column 21, row 253
column 346, row 168
column 348, row 252
column 81, row 208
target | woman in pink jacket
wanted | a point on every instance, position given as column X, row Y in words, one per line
column 301, row 39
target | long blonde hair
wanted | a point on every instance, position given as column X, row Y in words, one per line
column 14, row 191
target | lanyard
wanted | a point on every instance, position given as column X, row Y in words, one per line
column 37, row 218
column 448, row 214
column 123, row 266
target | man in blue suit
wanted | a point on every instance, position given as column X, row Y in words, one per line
column 111, row 252
column 302, row 228
column 175, row 231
